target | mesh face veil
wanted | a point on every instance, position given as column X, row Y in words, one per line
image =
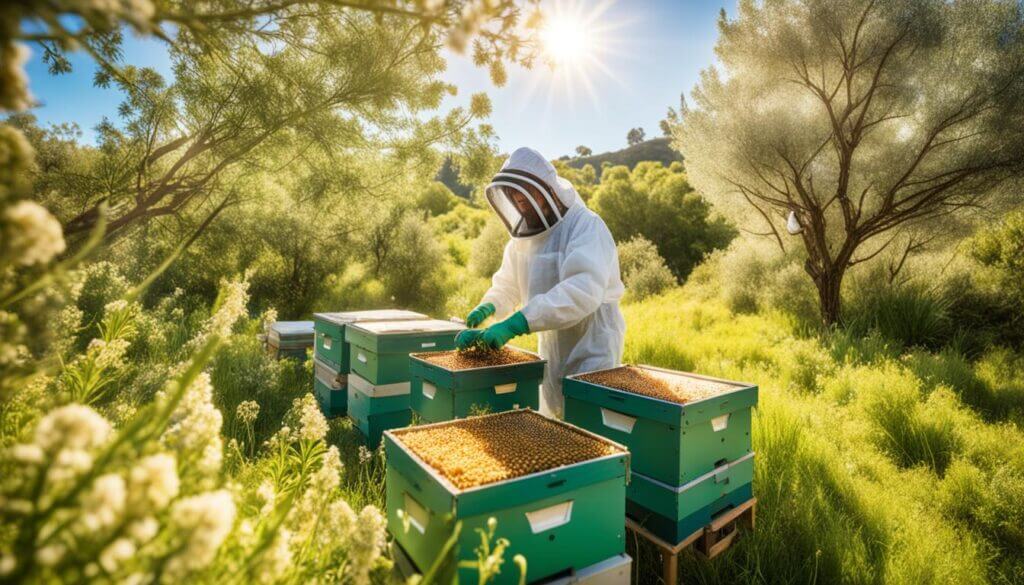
column 526, row 204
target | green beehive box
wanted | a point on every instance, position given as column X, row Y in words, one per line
column 439, row 394
column 375, row 408
column 331, row 346
column 380, row 349
column 674, row 513
column 671, row 442
column 562, row 519
column 329, row 388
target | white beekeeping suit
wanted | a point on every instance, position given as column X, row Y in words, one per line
column 561, row 267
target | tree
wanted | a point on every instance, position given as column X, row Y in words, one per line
column 869, row 121
column 635, row 136
column 583, row 151
column 659, row 204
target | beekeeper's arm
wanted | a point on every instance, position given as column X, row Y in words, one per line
column 504, row 291
column 585, row 273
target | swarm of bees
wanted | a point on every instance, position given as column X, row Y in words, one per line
column 488, row 449
column 678, row 388
column 477, row 357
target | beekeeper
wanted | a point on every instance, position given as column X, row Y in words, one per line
column 560, row 270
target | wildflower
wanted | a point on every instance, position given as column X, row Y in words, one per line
column 366, row 544
column 247, row 411
column 7, row 565
column 29, row 454
column 195, row 425
column 312, row 424
column 205, row 521
column 103, row 505
column 268, row 318
column 14, row 94
column 33, row 235
column 116, row 553
column 144, row 530
column 153, row 483
column 50, row 555
column 277, row 559
column 365, row 455
column 337, row 523
column 74, row 427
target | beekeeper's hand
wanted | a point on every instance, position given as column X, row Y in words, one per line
column 479, row 315
column 497, row 335
column 468, row 338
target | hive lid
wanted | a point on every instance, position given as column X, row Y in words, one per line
column 346, row 317
column 401, row 327
column 292, row 328
column 523, row 357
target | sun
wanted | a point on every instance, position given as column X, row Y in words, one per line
column 566, row 40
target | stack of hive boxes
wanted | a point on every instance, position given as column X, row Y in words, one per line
column 290, row 339
column 378, row 383
column 688, row 435
column 331, row 357
column 556, row 493
column 456, row 384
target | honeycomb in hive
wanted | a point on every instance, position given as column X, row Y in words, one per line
column 477, row 357
column 678, row 388
column 488, row 449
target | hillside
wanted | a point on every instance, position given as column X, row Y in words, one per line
column 657, row 149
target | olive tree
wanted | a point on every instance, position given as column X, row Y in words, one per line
column 868, row 121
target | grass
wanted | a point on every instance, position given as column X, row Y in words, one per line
column 873, row 465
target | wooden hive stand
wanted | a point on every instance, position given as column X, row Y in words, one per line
column 709, row 541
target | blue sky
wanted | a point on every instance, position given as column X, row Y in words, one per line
column 650, row 51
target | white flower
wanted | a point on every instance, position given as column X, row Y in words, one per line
column 277, row 558
column 204, row 521
column 33, row 235
column 28, row 454
column 103, row 506
column 7, row 565
column 195, row 425
column 248, row 411
column 366, row 544
column 153, row 483
column 116, row 553
column 144, row 530
column 14, row 94
column 312, row 424
column 50, row 555
column 73, row 427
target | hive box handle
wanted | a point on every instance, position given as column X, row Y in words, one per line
column 617, row 420
column 361, row 357
column 326, row 340
column 416, row 513
column 719, row 423
column 428, row 344
column 550, row 517
column 429, row 390
column 505, row 388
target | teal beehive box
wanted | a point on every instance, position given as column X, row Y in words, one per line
column 331, row 347
column 449, row 385
column 678, row 426
column 556, row 493
column 330, row 388
column 673, row 513
column 375, row 408
column 289, row 339
column 380, row 349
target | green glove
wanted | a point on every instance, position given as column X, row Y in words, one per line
column 497, row 335
column 468, row 338
column 479, row 314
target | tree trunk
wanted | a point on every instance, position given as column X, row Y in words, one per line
column 829, row 284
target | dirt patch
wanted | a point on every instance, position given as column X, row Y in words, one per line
column 468, row 359
column 488, row 449
column 678, row 388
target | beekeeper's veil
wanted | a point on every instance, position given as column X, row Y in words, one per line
column 528, row 195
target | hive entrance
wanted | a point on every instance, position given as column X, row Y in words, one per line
column 488, row 449
column 678, row 388
column 477, row 357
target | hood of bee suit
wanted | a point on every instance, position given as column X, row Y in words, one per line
column 513, row 194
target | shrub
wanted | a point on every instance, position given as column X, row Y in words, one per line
column 909, row 313
column 412, row 272
column 643, row 271
column 488, row 248
column 436, row 199
column 659, row 204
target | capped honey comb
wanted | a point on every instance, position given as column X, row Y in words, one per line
column 487, row 449
column 466, row 359
column 678, row 388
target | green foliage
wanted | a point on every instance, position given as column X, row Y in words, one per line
column 643, row 271
column 656, row 149
column 413, row 271
column 658, row 203
column 488, row 248
column 909, row 314
column 436, row 199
